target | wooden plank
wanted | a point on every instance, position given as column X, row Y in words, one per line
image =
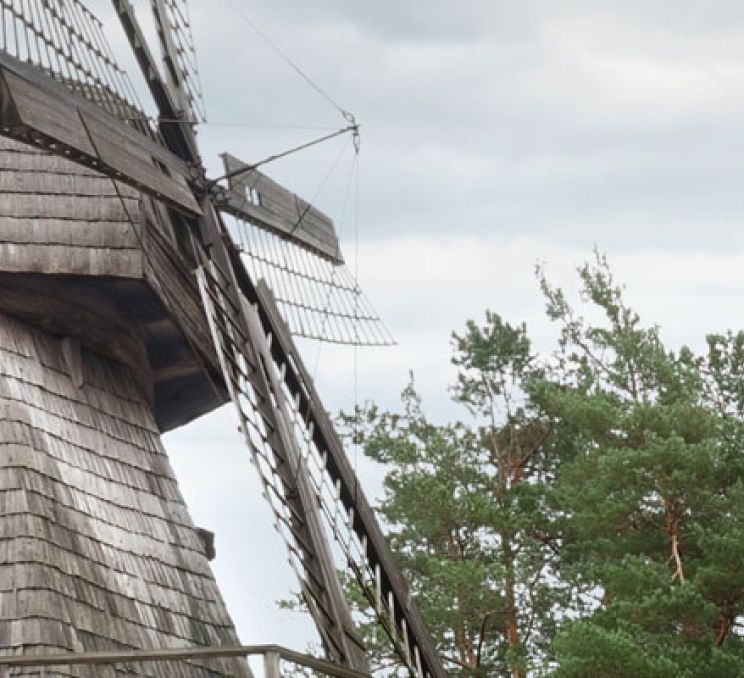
column 118, row 148
column 174, row 285
column 36, row 108
column 291, row 207
column 65, row 260
column 299, row 214
column 50, row 182
column 105, row 234
column 29, row 205
column 29, row 161
column 41, row 110
column 257, row 198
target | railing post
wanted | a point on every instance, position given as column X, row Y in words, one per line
column 272, row 664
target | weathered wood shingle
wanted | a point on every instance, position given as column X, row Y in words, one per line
column 59, row 217
column 74, row 243
column 97, row 550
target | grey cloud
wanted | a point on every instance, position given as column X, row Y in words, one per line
column 576, row 122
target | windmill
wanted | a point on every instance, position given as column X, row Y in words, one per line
column 127, row 308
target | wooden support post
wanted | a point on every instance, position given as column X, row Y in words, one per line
column 272, row 665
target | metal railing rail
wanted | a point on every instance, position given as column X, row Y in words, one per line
column 273, row 655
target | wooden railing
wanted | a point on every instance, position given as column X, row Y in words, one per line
column 273, row 656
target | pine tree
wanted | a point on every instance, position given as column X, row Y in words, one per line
column 466, row 511
column 651, row 495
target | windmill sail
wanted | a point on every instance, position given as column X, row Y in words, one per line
column 39, row 110
column 179, row 55
column 116, row 260
column 294, row 248
column 65, row 41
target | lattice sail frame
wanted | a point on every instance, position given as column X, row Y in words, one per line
column 65, row 40
column 173, row 20
column 318, row 298
column 355, row 545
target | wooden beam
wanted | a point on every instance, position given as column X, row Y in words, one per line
column 179, row 137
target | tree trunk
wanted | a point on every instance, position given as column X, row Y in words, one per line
column 510, row 459
column 725, row 623
column 464, row 644
column 672, row 529
column 512, row 629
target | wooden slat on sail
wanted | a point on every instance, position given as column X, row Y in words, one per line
column 35, row 108
column 256, row 198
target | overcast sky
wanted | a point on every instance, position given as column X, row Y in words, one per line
column 495, row 134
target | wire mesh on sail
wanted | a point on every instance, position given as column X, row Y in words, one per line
column 66, row 40
column 259, row 427
column 318, row 299
column 352, row 557
column 176, row 14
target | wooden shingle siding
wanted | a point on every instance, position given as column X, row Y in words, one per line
column 113, row 235
column 59, row 218
column 74, row 242
column 37, row 205
column 97, row 550
column 65, row 260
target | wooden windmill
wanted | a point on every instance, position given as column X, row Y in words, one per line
column 127, row 309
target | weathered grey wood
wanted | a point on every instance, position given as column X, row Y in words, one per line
column 255, row 197
column 175, row 284
column 96, row 546
column 73, row 354
column 236, row 330
column 77, row 311
column 18, row 205
column 113, row 235
column 134, row 272
column 36, row 108
column 180, row 138
column 296, row 478
column 66, row 260
column 56, row 183
column 300, row 384
column 129, row 154
column 32, row 159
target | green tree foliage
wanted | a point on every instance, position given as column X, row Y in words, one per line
column 650, row 496
column 589, row 519
column 466, row 510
